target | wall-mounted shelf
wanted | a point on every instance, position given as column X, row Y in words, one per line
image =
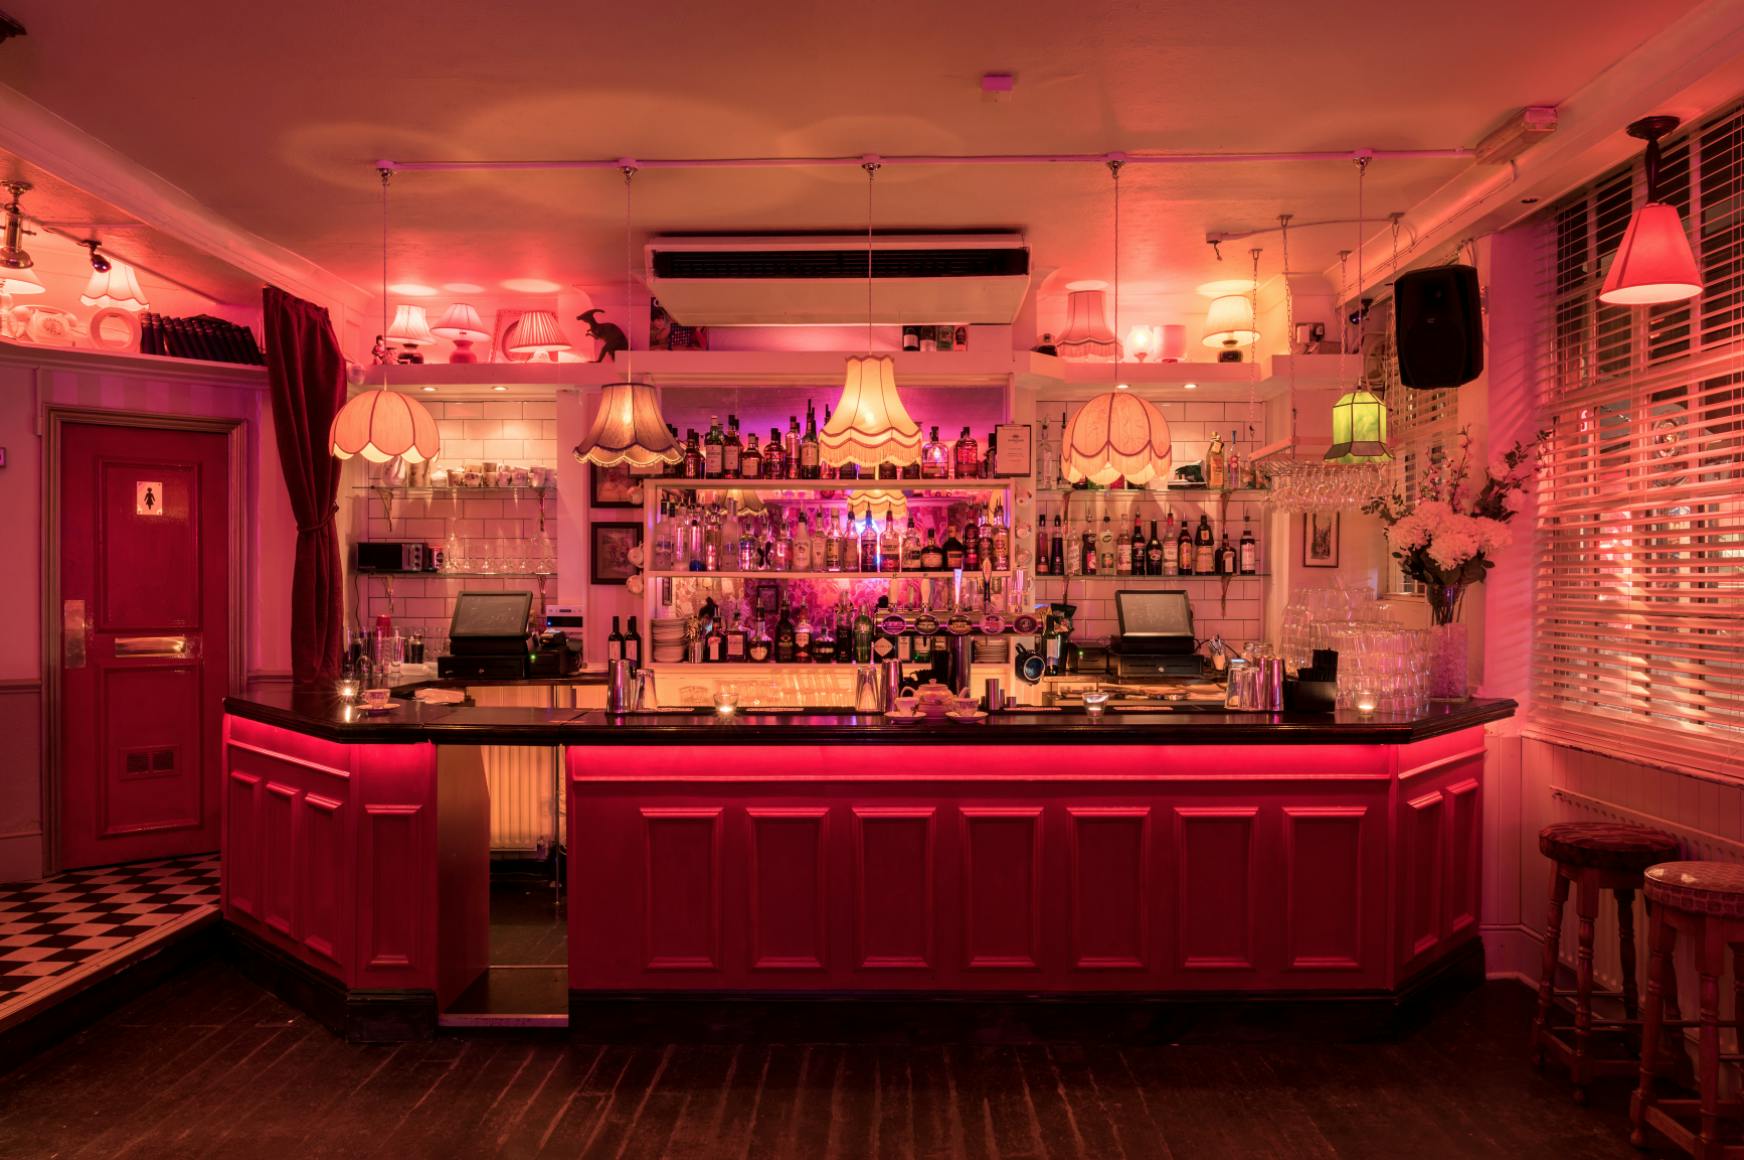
column 1250, row 493
column 464, row 575
column 687, row 575
column 402, row 492
column 1159, row 580
column 807, row 487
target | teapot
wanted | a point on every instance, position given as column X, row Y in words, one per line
column 934, row 699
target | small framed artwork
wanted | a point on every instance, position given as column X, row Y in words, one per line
column 613, row 487
column 610, row 559
column 1015, row 455
column 1320, row 540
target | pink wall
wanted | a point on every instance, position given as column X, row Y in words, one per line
column 29, row 382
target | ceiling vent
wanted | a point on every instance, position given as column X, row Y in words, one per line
column 821, row 280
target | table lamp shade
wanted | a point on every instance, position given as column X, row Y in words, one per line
column 1359, row 429
column 1171, row 342
column 381, row 425
column 537, row 332
column 410, row 327
column 1114, row 436
column 1230, row 322
column 1654, row 264
column 629, row 428
column 1087, row 334
column 461, row 321
column 870, row 425
column 117, row 286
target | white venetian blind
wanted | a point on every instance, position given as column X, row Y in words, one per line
column 1639, row 601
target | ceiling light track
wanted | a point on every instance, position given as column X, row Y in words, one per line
column 947, row 159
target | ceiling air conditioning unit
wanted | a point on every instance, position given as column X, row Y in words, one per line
column 821, row 280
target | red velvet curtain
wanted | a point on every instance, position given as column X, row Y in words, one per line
column 307, row 374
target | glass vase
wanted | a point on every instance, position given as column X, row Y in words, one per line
column 1449, row 665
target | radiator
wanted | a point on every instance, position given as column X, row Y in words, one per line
column 522, row 779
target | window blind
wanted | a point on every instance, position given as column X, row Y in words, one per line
column 1639, row 600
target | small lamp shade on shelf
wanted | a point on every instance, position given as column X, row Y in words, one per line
column 380, row 425
column 1117, row 436
column 410, row 327
column 463, row 326
column 870, row 425
column 1654, row 264
column 1087, row 335
column 116, row 287
column 629, row 428
column 537, row 333
column 1359, row 429
column 1229, row 324
column 20, row 281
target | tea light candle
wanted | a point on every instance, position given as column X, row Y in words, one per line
column 1365, row 702
column 347, row 688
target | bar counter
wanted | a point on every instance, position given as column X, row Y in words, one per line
column 780, row 857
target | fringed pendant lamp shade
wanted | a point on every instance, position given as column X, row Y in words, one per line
column 1654, row 264
column 870, row 425
column 894, row 503
column 1115, row 436
column 20, row 281
column 117, row 286
column 628, row 428
column 381, row 425
column 1359, row 429
column 1087, row 334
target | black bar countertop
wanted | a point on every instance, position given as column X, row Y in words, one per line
column 325, row 716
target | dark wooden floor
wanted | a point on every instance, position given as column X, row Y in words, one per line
column 207, row 1064
column 529, row 924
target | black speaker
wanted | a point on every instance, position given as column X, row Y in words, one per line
column 1438, row 327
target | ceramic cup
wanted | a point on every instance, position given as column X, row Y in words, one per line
column 377, row 698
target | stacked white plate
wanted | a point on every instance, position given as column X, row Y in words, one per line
column 991, row 650
column 667, row 639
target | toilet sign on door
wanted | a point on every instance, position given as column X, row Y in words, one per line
column 148, row 498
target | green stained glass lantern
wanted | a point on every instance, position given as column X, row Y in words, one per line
column 1359, row 429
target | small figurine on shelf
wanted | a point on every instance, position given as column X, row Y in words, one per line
column 609, row 335
column 381, row 351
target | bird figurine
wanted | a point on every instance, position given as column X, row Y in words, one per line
column 609, row 334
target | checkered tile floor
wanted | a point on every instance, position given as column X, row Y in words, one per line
column 55, row 934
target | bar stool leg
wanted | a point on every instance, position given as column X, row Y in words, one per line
column 1626, row 952
column 1711, row 961
column 1547, row 975
column 1660, row 940
column 1586, row 907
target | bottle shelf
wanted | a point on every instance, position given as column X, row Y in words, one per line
column 539, row 493
column 1250, row 493
column 464, row 575
column 687, row 575
column 1116, row 577
column 818, row 486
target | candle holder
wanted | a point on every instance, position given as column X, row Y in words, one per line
column 1365, row 702
column 347, row 688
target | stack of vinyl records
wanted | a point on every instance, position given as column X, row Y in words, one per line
column 200, row 337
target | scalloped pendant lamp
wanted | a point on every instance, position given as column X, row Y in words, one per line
column 380, row 425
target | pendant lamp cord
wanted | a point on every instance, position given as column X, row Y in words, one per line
column 1114, row 164
column 1289, row 323
column 1253, row 380
column 386, row 173
column 629, row 172
column 1362, row 169
column 871, row 168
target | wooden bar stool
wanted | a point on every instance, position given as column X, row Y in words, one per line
column 1704, row 900
column 1590, row 857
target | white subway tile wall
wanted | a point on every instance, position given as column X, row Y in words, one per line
column 520, row 434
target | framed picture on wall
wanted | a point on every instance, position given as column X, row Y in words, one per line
column 1320, row 539
column 610, row 558
column 613, row 487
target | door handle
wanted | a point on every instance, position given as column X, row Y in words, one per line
column 156, row 646
column 75, row 631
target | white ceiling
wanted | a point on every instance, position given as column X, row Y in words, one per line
column 272, row 115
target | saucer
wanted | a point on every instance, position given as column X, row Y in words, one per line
column 967, row 718
column 896, row 718
column 387, row 708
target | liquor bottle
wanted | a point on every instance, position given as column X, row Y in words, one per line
column 1171, row 562
column 781, row 547
column 953, row 549
column 802, row 637
column 972, row 547
column 1059, row 479
column 713, row 449
column 1123, row 553
column 1105, row 544
column 1204, row 548
column 711, row 542
column 911, row 548
column 1233, row 468
column 823, row 642
column 911, row 338
column 790, row 447
column 750, row 459
column 932, row 554
column 1074, row 558
column 808, row 445
column 935, row 458
column 735, row 641
column 714, row 641
column 1043, row 561
column 966, row 457
column 1249, row 549
column 774, row 458
column 801, row 551
column 750, row 559
column 832, row 548
column 1092, row 557
column 868, row 545
column 992, row 454
column 819, row 542
column 884, row 646
column 1154, row 553
column 863, row 633
column 661, row 555
column 1215, row 477
column 1226, row 560
column 1184, row 550
column 1056, row 551
column 693, row 464
column 889, row 545
column 1045, row 461
column 760, row 648
column 732, row 451
column 1001, row 542
column 614, row 643
column 785, row 646
column 1140, row 563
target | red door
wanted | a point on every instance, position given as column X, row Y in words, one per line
column 144, row 589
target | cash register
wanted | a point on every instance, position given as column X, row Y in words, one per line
column 487, row 637
column 1156, row 636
